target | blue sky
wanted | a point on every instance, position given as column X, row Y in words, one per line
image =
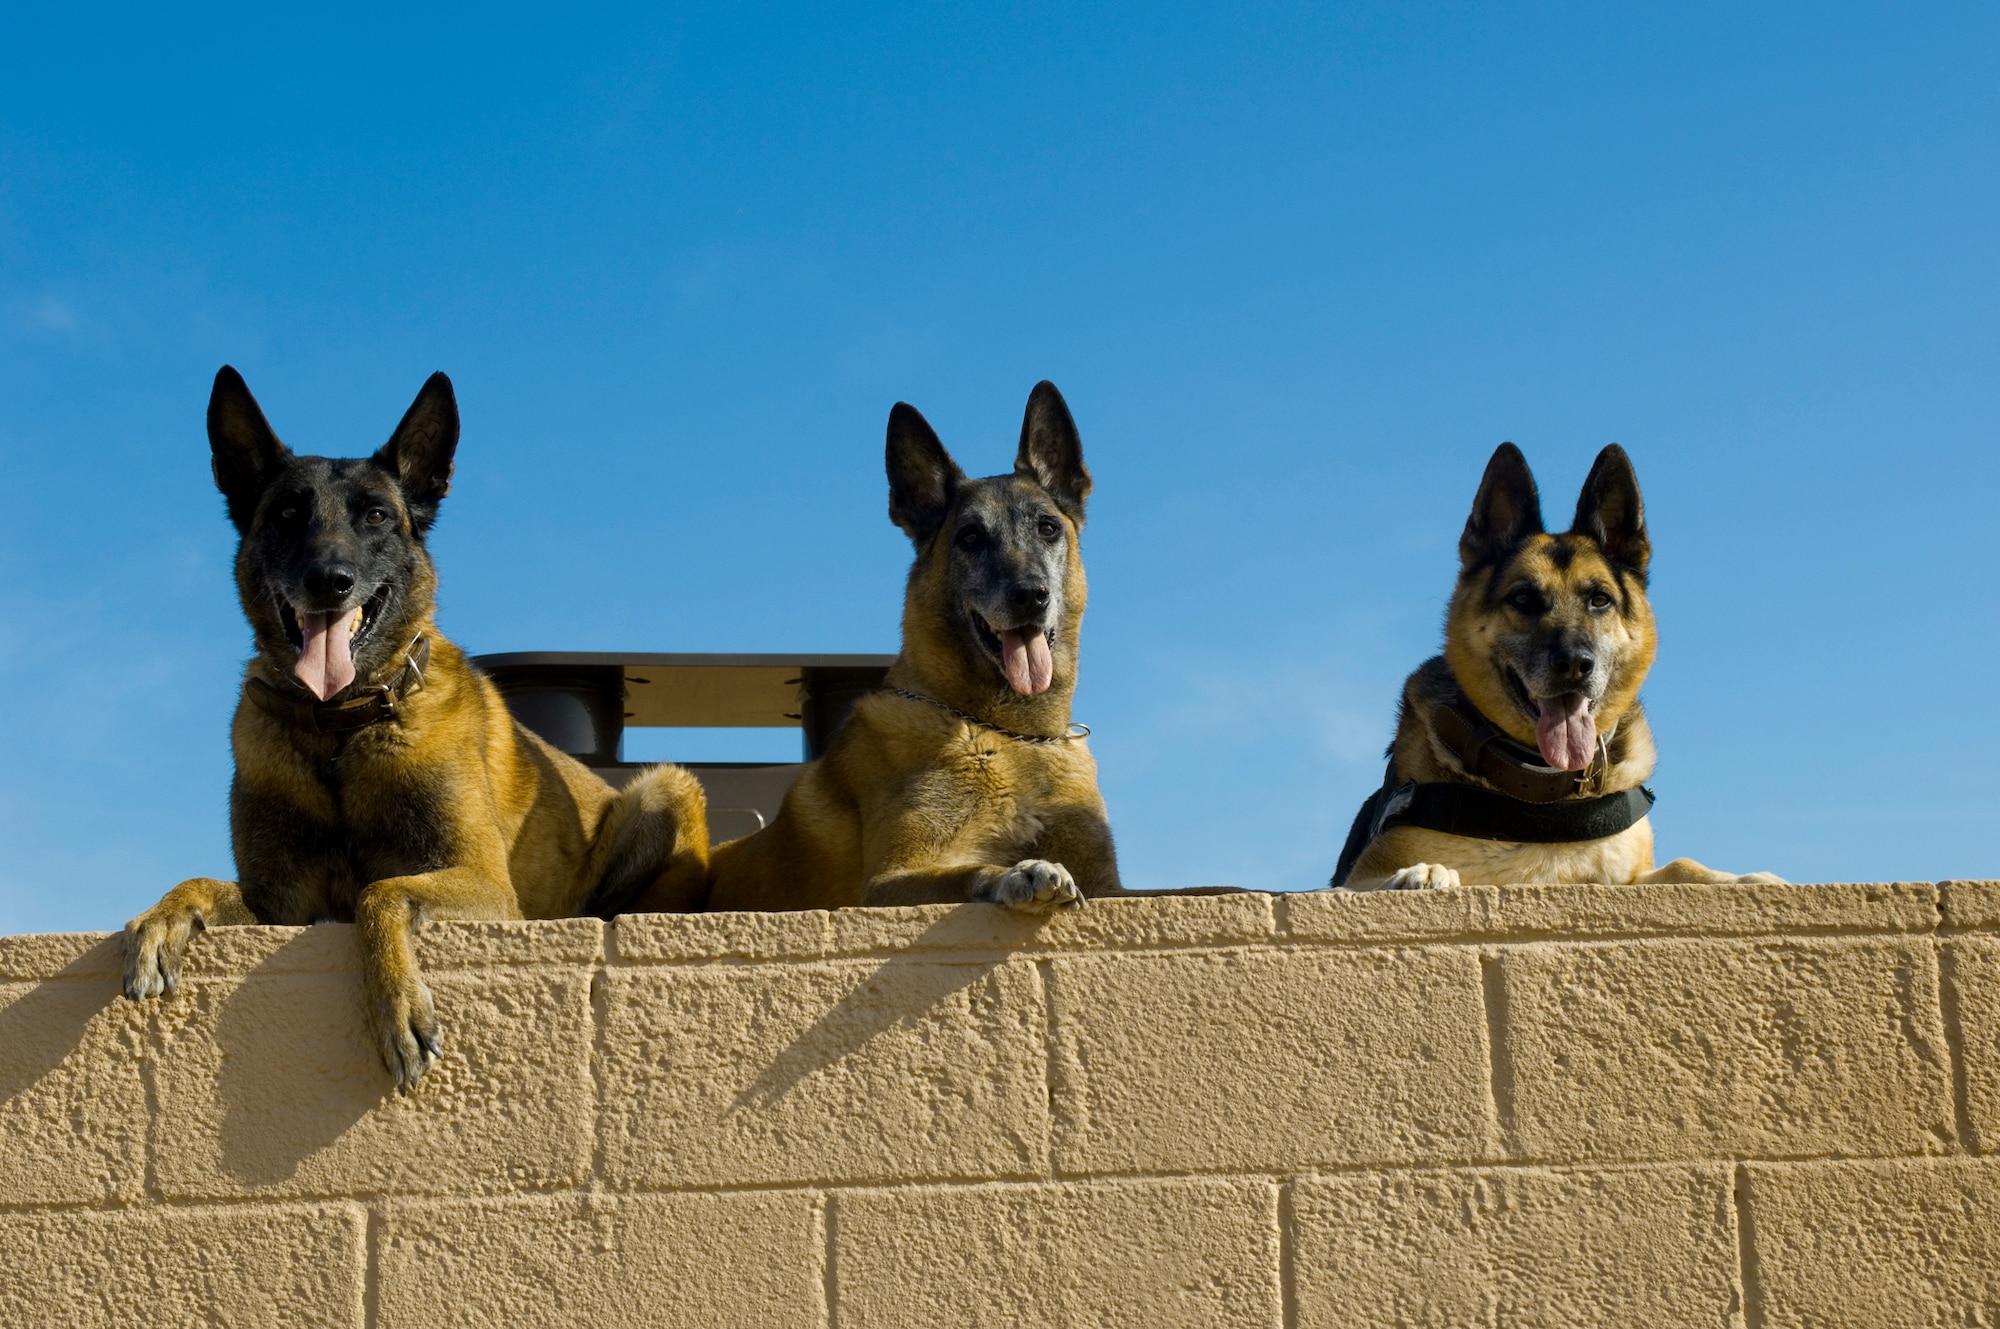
column 1297, row 269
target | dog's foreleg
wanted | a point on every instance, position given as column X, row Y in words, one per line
column 1687, row 872
column 1416, row 877
column 387, row 915
column 156, row 941
column 1080, row 839
column 1033, row 886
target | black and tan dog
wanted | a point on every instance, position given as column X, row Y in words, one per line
column 379, row 777
column 961, row 780
column 1520, row 753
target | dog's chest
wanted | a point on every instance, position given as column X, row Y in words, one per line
column 1614, row 859
column 989, row 790
column 393, row 816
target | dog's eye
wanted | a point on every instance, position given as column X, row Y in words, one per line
column 971, row 538
column 375, row 516
column 1600, row 600
column 1526, row 601
column 1050, row 528
column 288, row 514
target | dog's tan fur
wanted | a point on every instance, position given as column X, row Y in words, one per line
column 1604, row 554
column 450, row 809
column 912, row 804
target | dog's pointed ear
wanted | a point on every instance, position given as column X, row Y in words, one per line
column 1506, row 511
column 922, row 476
column 242, row 450
column 1610, row 511
column 1051, row 452
column 419, row 453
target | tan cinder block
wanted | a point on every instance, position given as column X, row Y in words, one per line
column 251, row 1267
column 273, row 1086
column 1973, row 968
column 1971, row 904
column 1269, row 1060
column 1137, row 923
column 847, row 1071
column 1517, row 1247
column 794, row 935
column 61, row 955
column 1732, row 909
column 695, row 1260
column 72, row 1100
column 1877, row 1245
column 330, row 948
column 1203, row 1254
column 1124, row 924
column 1709, row 1049
column 1403, row 916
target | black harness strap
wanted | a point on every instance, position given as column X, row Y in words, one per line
column 1483, row 814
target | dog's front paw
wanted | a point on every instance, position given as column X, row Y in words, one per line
column 1422, row 877
column 1760, row 879
column 407, row 1030
column 1037, row 886
column 155, row 943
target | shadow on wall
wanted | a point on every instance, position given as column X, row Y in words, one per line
column 40, row 1029
column 293, row 1064
column 901, row 994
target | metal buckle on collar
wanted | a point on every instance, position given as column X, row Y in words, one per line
column 1398, row 801
column 1591, row 783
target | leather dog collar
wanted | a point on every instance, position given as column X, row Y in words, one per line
column 1488, row 753
column 338, row 717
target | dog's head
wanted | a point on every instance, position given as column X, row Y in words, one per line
column 1551, row 635
column 332, row 568
column 998, row 572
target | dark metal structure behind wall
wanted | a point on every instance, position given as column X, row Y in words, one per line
column 582, row 702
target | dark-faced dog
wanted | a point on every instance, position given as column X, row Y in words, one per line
column 961, row 780
column 1520, row 752
column 379, row 778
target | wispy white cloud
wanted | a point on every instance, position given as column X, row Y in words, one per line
column 46, row 316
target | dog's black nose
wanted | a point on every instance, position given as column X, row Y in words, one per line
column 331, row 581
column 1573, row 663
column 1028, row 595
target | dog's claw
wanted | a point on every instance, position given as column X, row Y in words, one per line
column 1422, row 877
column 154, row 944
column 411, row 1039
column 1037, row 886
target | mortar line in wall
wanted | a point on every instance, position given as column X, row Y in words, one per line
column 1499, row 1051
column 587, row 1190
column 1954, row 1042
column 1050, row 1071
column 600, row 1019
column 1288, row 1275
column 1749, row 1275
column 371, row 1270
column 830, row 1259
column 1285, row 944
column 149, row 1083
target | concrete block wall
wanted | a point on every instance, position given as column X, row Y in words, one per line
column 1650, row 1106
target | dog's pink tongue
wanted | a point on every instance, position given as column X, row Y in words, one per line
column 1024, row 654
column 1566, row 731
column 325, row 663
